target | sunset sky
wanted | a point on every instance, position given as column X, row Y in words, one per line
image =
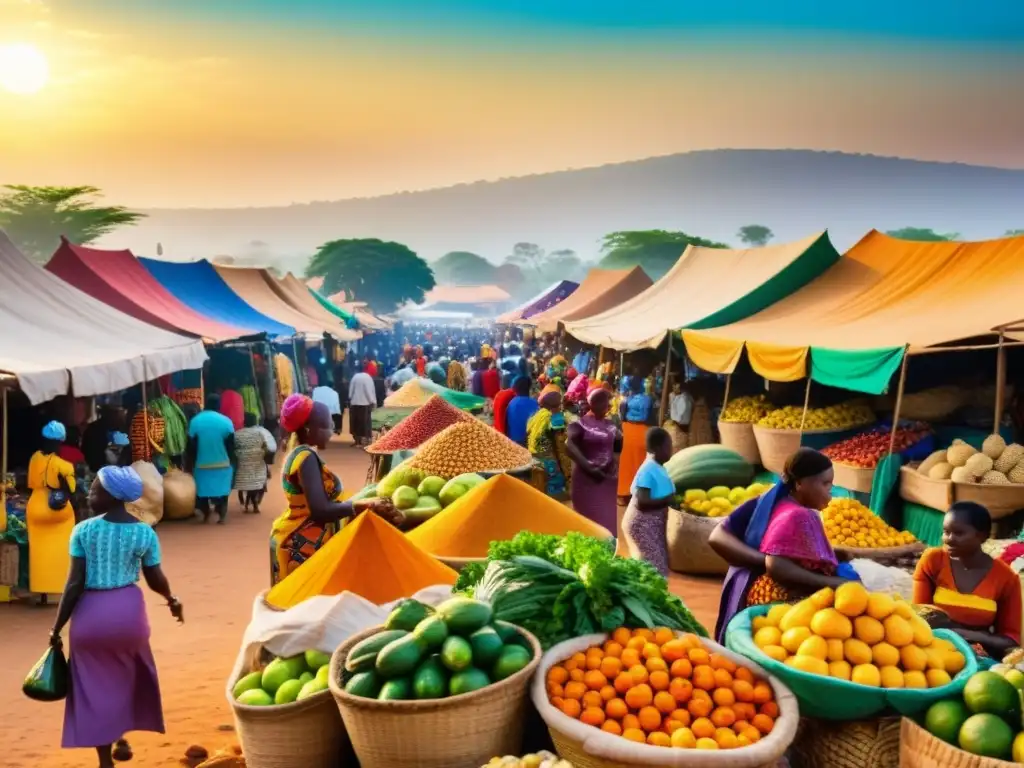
column 252, row 102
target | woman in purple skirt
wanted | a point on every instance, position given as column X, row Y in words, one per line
column 113, row 686
column 592, row 444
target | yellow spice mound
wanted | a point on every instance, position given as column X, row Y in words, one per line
column 369, row 557
column 470, row 446
column 409, row 395
column 496, row 510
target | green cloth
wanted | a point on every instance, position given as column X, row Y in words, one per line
column 462, row 400
column 334, row 309
column 924, row 522
column 885, row 481
column 862, row 370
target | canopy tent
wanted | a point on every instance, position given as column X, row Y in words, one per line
column 255, row 287
column 296, row 295
column 359, row 309
column 467, row 294
column 600, row 291
column 543, row 301
column 197, row 285
column 117, row 278
column 852, row 325
column 708, row 287
column 57, row 339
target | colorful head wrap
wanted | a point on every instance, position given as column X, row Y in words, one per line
column 119, row 438
column 548, row 393
column 577, row 390
column 295, row 412
column 55, row 431
column 123, row 483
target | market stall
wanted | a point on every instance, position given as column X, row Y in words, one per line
column 554, row 294
column 600, row 291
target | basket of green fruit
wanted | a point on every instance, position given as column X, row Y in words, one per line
column 447, row 687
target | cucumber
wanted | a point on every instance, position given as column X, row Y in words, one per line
column 463, row 615
column 363, row 654
column 431, row 632
column 487, row 645
column 506, row 632
column 430, row 681
column 366, row 684
column 470, row 680
column 399, row 689
column 457, row 654
column 399, row 658
column 512, row 659
column 407, row 614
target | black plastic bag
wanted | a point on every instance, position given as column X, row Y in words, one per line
column 48, row 679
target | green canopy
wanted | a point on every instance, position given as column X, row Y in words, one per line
column 334, row 309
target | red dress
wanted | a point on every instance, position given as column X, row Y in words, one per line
column 501, row 401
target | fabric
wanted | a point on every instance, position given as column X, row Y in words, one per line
column 329, row 397
column 862, row 370
column 634, row 453
column 403, row 376
column 994, row 605
column 654, row 477
column 49, row 531
column 491, row 383
column 114, row 553
column 123, row 483
column 312, row 377
column 72, row 455
column 295, row 412
column 251, row 448
column 797, row 533
column 645, row 536
column 213, row 472
column 680, row 408
column 546, row 438
column 746, row 281
column 268, row 439
column 924, row 522
column 233, row 406
column 502, row 400
column 520, row 410
column 114, row 688
column 55, row 431
column 437, row 374
column 371, row 369
column 595, row 500
column 361, row 390
column 738, row 581
column 638, row 408
column 360, row 422
column 600, row 291
column 348, row 317
column 582, row 361
column 553, row 294
column 466, row 294
column 297, row 296
column 476, row 383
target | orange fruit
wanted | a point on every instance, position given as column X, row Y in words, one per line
column 639, row 696
column 630, row 721
column 723, row 697
column 659, row 680
column 608, row 693
column 699, row 707
column 664, row 702
column 592, row 699
column 646, row 634
column 744, row 674
column 558, row 674
column 718, row 661
column 763, row 723
column 743, row 690
column 594, row 680
column 613, row 648
column 577, row 673
column 739, row 726
column 656, row 664
column 659, row 739
column 704, row 677
column 594, row 660
column 723, row 717
column 684, row 739
column 742, row 741
column 636, row 643
column 707, row 744
column 726, row 739
column 592, row 716
column 751, row 734
column 612, row 727
column 698, row 656
column 663, row 635
column 651, row 651
column 744, row 711
column 575, row 690
column 629, row 657
column 680, row 716
column 616, row 709
column 621, row 636
column 635, row 734
column 681, row 668
column 723, row 678
column 580, row 658
column 650, row 718
column 762, row 692
column 673, row 650
column 670, row 726
column 554, row 689
column 610, row 667
column 557, row 701
column 571, row 707
column 770, row 708
column 639, row 674
column 691, row 640
column 623, row 682
column 681, row 689
column 569, row 665
column 703, row 728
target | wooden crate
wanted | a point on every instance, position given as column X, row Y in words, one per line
column 858, row 479
column 923, row 490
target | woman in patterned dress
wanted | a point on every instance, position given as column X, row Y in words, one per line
column 545, row 439
column 253, row 446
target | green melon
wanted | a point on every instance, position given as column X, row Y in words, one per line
column 707, row 466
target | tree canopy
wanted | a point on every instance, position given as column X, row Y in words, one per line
column 383, row 274
column 1014, row 233
column 922, row 235
column 655, row 250
column 756, row 235
column 464, row 268
column 36, row 217
column 540, row 268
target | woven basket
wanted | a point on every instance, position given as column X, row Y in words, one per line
column 1000, row 500
column 688, row 548
column 777, row 445
column 739, row 436
column 850, row 744
column 466, row 730
column 933, row 404
column 858, row 479
column 923, row 490
column 10, row 560
column 701, row 428
column 919, row 749
column 895, row 557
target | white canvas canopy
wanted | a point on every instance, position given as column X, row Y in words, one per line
column 56, row 339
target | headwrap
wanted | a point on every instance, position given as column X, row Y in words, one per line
column 295, row 412
column 119, row 438
column 547, row 392
column 55, row 431
column 123, row 483
column 577, row 390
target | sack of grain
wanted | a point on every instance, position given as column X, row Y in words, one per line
column 150, row 508
column 179, row 495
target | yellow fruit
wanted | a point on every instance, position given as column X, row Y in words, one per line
column 954, row 661
column 830, row 623
column 799, row 615
column 922, row 632
column 776, row 652
column 815, row 647
column 937, row 678
column 835, row 650
column 898, row 631
column 885, row 655
column 856, row 651
column 792, row 638
column 935, row 659
column 913, row 658
column 903, row 610
column 891, row 677
column 767, row 636
column 851, row 599
column 868, row 629
column 823, row 598
column 914, row 679
column 808, row 664
column 840, row 669
column 941, row 644
column 880, row 605
column 866, row 674
column 775, row 614
column 759, row 622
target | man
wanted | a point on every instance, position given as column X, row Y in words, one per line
column 329, row 397
column 341, row 386
column 370, row 366
column 362, row 397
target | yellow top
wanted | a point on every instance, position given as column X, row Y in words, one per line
column 297, row 510
column 45, row 471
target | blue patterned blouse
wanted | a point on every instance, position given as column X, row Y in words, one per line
column 114, row 553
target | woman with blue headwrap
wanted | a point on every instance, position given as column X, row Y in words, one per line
column 51, row 480
column 113, row 680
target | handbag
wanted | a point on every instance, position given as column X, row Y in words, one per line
column 48, row 679
column 60, row 496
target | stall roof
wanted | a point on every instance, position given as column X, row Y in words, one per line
column 297, row 295
column 708, row 287
column 851, row 325
column 56, row 337
column 601, row 290
column 359, row 309
column 556, row 292
column 118, row 279
column 467, row 294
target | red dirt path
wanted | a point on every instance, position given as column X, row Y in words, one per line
column 216, row 571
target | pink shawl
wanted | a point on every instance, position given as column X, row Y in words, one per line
column 797, row 533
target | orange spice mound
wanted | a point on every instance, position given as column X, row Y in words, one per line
column 495, row 510
column 469, row 446
column 419, row 426
column 410, row 395
column 369, row 557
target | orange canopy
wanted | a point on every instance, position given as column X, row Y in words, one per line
column 600, row 291
column 467, row 294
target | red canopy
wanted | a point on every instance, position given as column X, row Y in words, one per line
column 118, row 279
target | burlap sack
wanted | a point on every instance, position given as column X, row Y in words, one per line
column 150, row 508
column 688, row 548
column 179, row 495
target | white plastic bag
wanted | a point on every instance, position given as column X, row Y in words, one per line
column 884, row 578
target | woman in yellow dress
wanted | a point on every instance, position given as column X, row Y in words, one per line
column 49, row 530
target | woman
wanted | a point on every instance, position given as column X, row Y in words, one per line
column 545, row 439
column 491, row 380
column 977, row 597
column 314, row 511
column 652, row 491
column 521, row 409
column 52, row 481
column 776, row 545
column 635, row 413
column 456, row 376
column 254, row 456
column 211, row 450
column 501, row 403
column 113, row 686
column 591, row 445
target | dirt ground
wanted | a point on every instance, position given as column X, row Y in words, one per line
column 216, row 571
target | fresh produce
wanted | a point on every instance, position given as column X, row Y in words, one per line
column 661, row 688
column 746, row 410
column 871, row 639
column 707, row 466
column 867, row 449
column 834, row 417
column 466, row 447
column 718, row 501
column 995, row 464
column 536, row 760
column 284, row 680
column 985, row 720
column 175, row 425
column 421, row 425
column 453, row 649
column 848, row 523
column 559, row 587
column 143, row 446
column 412, row 394
column 420, row 497
column 407, row 615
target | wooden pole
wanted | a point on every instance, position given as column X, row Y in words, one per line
column 899, row 402
column 202, row 386
column 968, row 348
column 728, row 385
column 807, row 402
column 1000, row 383
column 145, row 413
column 664, row 381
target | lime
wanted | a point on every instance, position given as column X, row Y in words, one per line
column 944, row 718
column 987, row 735
column 987, row 692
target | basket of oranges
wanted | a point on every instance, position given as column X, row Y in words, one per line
column 641, row 697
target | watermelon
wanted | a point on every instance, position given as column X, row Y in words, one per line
column 705, row 466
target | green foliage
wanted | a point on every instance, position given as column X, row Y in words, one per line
column 539, row 268
column 655, row 250
column 36, row 217
column 756, row 235
column 1014, row 233
column 383, row 274
column 464, row 268
column 922, row 235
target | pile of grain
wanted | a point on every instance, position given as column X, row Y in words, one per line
column 421, row 425
column 469, row 446
column 412, row 394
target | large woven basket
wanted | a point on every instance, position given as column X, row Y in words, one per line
column 858, row 479
column 1000, row 500
column 739, row 436
column 777, row 445
column 10, row 561
column 466, row 730
column 688, row 548
column 919, row 749
column 923, row 490
column 846, row 744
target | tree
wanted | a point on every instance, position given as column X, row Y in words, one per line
column 464, row 268
column 540, row 268
column 383, row 274
column 756, row 235
column 1014, row 233
column 655, row 250
column 922, row 235
column 36, row 217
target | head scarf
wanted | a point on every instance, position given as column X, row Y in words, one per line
column 123, row 483
column 55, row 431
column 577, row 389
column 295, row 412
column 547, row 393
column 119, row 438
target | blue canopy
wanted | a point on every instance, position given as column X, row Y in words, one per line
column 197, row 284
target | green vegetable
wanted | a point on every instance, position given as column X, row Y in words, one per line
column 398, row 689
column 487, row 645
column 366, row 684
column 399, row 657
column 430, row 681
column 472, row 679
column 363, row 654
column 175, row 425
column 512, row 659
column 463, row 615
column 456, row 654
column 407, row 614
column 431, row 632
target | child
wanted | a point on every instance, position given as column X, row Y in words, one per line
column 643, row 525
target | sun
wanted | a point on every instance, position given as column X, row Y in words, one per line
column 23, row 69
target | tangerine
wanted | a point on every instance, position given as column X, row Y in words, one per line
column 630, row 721
column 623, row 682
column 610, row 667
column 612, row 727
column 651, row 651
column 744, row 674
column 707, row 744
column 639, row 696
column 592, row 699
column 718, row 661
column 621, row 636
column 646, row 634
column 704, row 677
column 608, row 693
column 656, row 665
column 703, row 728
column 639, row 674
column 770, row 708
column 594, row 680
column 673, row 650
column 683, row 739
column 558, row 674
column 681, row 668
column 613, row 648
column 616, row 709
column 723, row 717
column 680, row 716
column 572, row 708
column 664, row 702
column 699, row 707
column 670, row 726
column 698, row 656
column 723, row 697
column 763, row 723
column 762, row 692
column 723, row 678
column 664, row 635
column 635, row 734
column 554, row 689
column 629, row 657
column 592, row 716
column 681, row 689
column 576, row 673
column 659, row 680
column 650, row 718
column 743, row 690
column 659, row 739
column 726, row 739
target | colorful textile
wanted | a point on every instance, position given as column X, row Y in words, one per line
column 634, row 453
column 654, row 477
column 521, row 409
column 501, row 403
column 114, row 553
column 49, row 531
column 595, row 499
column 491, row 383
column 797, row 533
column 546, row 442
column 213, row 471
column 645, row 536
column 251, row 448
column 638, row 408
column 71, row 454
column 55, row 431
column 123, row 483
column 233, row 406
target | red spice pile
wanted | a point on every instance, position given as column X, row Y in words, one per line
column 422, row 424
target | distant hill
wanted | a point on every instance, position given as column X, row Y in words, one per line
column 710, row 194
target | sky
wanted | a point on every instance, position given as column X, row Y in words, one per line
column 230, row 103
